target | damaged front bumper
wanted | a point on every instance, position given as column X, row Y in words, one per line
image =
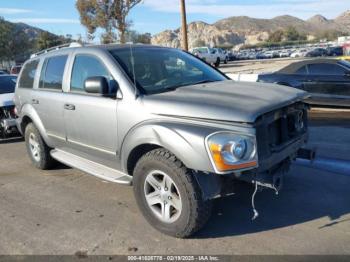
column 8, row 126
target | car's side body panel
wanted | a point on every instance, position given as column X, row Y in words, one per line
column 325, row 88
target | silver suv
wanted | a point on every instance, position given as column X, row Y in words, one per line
column 160, row 119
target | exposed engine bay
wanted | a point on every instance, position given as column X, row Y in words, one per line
column 8, row 122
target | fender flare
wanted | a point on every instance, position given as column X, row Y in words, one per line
column 186, row 142
column 30, row 112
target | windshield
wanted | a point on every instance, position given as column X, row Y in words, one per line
column 7, row 84
column 159, row 70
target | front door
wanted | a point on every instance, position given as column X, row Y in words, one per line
column 91, row 120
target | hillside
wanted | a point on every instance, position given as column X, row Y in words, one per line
column 30, row 31
column 246, row 30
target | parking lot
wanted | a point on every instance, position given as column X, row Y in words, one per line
column 65, row 211
column 257, row 66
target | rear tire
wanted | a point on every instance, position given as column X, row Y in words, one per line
column 37, row 149
column 153, row 174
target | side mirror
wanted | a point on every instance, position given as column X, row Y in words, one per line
column 96, row 85
column 347, row 74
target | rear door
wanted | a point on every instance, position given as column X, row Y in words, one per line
column 48, row 99
column 91, row 119
column 328, row 84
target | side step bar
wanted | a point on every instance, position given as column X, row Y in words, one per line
column 90, row 167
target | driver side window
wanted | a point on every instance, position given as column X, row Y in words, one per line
column 86, row 66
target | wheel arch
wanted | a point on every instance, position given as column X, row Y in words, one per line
column 29, row 115
column 136, row 154
column 187, row 145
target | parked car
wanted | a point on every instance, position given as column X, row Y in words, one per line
column 316, row 52
column 335, row 51
column 162, row 120
column 3, row 72
column 299, row 53
column 284, row 53
column 7, row 108
column 328, row 80
column 231, row 56
column 268, row 54
column 207, row 54
column 15, row 70
column 222, row 55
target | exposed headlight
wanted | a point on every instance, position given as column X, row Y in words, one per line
column 230, row 151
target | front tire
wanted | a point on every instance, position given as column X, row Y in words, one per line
column 168, row 194
column 37, row 149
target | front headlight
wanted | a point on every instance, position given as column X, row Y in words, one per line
column 230, row 151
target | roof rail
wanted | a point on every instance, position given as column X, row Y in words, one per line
column 73, row 44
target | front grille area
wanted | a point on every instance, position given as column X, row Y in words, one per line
column 278, row 129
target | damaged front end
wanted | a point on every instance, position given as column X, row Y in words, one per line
column 281, row 136
column 8, row 126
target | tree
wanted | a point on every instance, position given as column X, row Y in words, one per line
column 13, row 41
column 46, row 40
column 5, row 34
column 330, row 35
column 276, row 36
column 135, row 37
column 108, row 15
column 293, row 35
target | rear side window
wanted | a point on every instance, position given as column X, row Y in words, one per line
column 326, row 69
column 28, row 74
column 52, row 72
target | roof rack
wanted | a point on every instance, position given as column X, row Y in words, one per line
column 73, row 44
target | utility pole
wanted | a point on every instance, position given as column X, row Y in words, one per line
column 184, row 25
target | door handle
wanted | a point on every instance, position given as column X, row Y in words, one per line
column 35, row 101
column 69, row 107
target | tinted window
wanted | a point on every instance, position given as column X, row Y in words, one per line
column 52, row 73
column 326, row 69
column 28, row 74
column 7, row 84
column 301, row 71
column 86, row 66
column 161, row 69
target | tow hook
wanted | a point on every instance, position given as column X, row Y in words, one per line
column 307, row 154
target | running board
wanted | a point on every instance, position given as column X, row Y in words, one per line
column 90, row 167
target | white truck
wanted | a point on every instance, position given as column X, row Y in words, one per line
column 222, row 54
column 207, row 54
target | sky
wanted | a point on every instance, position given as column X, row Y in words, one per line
column 61, row 17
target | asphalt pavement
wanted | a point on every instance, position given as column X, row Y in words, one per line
column 65, row 211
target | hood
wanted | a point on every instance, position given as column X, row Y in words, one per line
column 224, row 100
column 6, row 99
